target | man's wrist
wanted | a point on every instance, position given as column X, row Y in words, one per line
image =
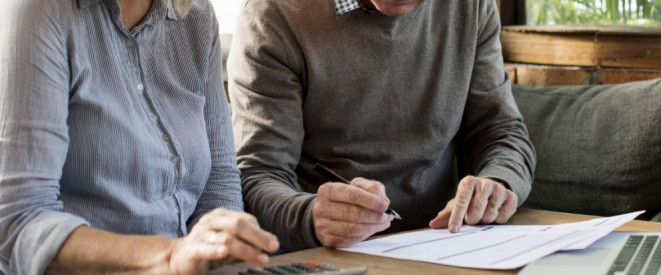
column 315, row 240
column 504, row 183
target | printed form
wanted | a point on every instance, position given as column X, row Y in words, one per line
column 491, row 246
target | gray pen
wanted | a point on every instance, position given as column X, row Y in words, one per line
column 331, row 175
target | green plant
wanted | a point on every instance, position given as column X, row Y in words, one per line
column 594, row 12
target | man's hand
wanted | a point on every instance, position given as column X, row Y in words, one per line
column 346, row 214
column 478, row 200
column 221, row 234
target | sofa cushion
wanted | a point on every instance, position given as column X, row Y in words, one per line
column 598, row 147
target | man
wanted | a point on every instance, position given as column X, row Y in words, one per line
column 410, row 94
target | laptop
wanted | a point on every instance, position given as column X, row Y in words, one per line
column 616, row 253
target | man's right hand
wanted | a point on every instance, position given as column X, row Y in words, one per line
column 346, row 214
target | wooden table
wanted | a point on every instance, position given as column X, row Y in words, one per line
column 381, row 265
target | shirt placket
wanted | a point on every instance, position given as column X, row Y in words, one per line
column 153, row 116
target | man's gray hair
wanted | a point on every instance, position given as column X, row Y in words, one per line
column 181, row 7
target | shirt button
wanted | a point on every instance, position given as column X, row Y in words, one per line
column 180, row 233
column 177, row 211
column 129, row 44
column 154, row 118
column 173, row 191
column 166, row 138
column 140, row 87
column 174, row 159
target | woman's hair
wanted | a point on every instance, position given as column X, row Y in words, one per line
column 181, row 7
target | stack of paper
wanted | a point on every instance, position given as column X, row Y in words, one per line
column 492, row 246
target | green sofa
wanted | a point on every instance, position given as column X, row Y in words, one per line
column 598, row 147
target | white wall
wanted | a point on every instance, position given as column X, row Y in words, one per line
column 227, row 12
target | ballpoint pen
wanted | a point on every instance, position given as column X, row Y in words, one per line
column 331, row 175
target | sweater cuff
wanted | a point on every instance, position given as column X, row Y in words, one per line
column 40, row 240
column 309, row 233
column 510, row 179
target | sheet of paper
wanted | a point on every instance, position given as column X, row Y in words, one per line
column 491, row 246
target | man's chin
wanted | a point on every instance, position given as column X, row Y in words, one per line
column 399, row 7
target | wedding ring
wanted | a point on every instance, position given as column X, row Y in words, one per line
column 211, row 239
column 493, row 206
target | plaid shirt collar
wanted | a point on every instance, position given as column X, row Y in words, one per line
column 344, row 6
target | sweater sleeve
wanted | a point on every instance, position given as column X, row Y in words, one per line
column 493, row 131
column 266, row 94
column 34, row 85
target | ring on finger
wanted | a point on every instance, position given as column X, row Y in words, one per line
column 211, row 239
column 493, row 206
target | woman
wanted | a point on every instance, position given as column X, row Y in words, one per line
column 116, row 152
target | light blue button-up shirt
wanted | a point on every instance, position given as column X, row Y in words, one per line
column 126, row 131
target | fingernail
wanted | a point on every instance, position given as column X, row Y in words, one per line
column 263, row 259
column 220, row 250
column 453, row 227
column 273, row 245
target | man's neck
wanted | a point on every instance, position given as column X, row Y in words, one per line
column 133, row 12
column 367, row 4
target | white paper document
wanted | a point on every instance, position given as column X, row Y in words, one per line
column 491, row 246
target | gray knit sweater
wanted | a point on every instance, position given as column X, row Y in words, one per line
column 413, row 101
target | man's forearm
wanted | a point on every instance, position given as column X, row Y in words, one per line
column 281, row 209
column 93, row 251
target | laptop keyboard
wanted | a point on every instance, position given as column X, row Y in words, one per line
column 640, row 255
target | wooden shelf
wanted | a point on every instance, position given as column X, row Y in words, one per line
column 540, row 75
column 583, row 46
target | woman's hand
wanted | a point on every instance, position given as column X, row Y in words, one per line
column 218, row 235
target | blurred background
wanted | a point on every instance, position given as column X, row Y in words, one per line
column 227, row 12
column 594, row 12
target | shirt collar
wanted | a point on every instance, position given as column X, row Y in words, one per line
column 86, row 3
column 344, row 6
column 171, row 14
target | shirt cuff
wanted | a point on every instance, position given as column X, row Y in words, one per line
column 40, row 240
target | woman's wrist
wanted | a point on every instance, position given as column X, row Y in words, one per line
column 159, row 262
